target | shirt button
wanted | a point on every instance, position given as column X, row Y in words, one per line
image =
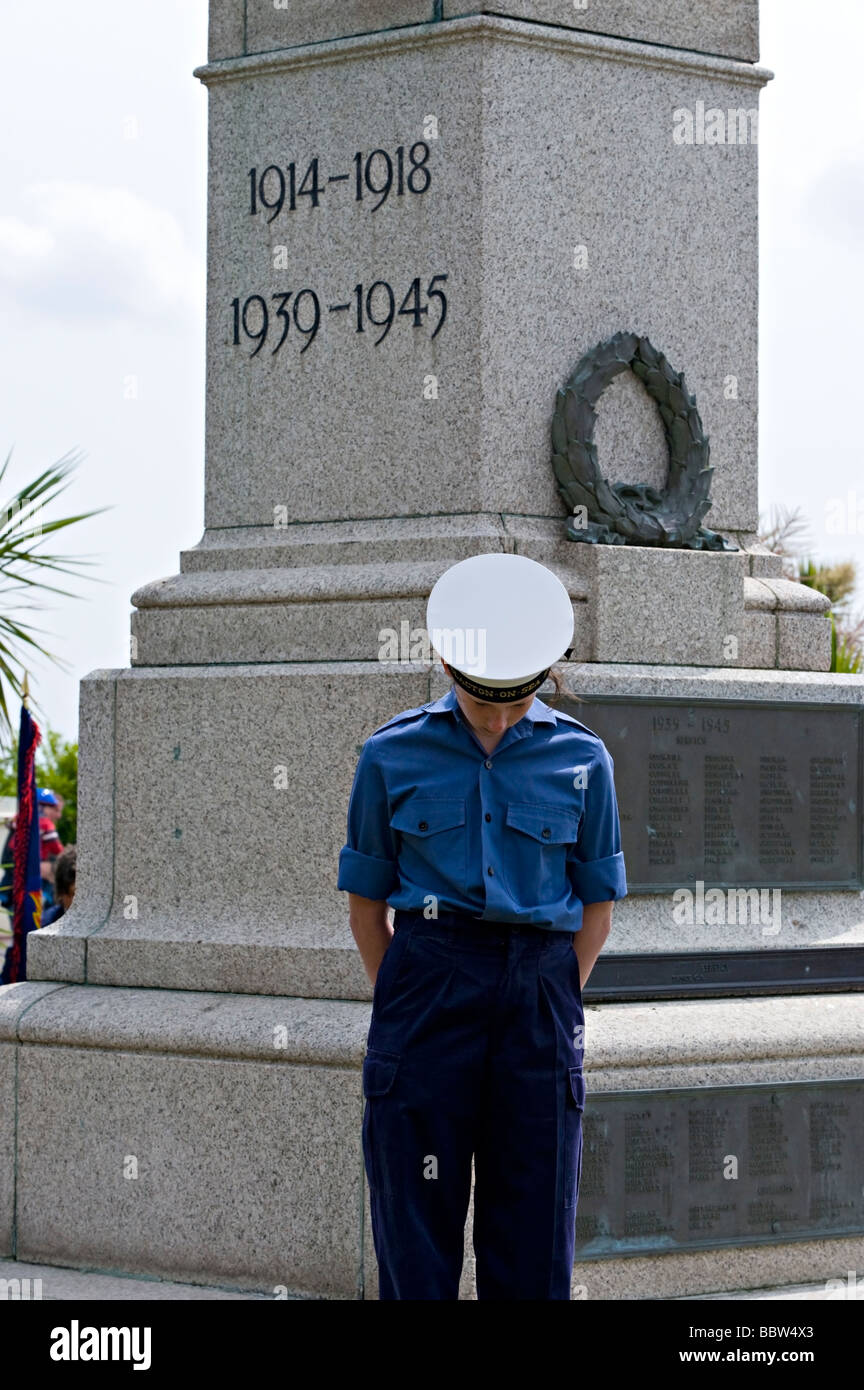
column 546, row 832
column 490, row 871
column 488, row 762
column 423, row 825
column 488, row 817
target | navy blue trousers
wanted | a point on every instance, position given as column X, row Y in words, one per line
column 475, row 1049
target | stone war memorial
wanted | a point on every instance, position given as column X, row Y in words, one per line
column 480, row 278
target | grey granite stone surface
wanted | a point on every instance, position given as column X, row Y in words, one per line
column 757, row 640
column 17, row 1000
column 730, row 28
column 401, row 540
column 804, row 641
column 231, row 794
column 764, row 562
column 712, row 683
column 59, row 952
column 638, row 179
column 338, row 613
column 720, row 26
column 7, row 1144
column 243, row 1174
column 285, row 964
column 64, row 943
column 311, row 21
column 816, row 1033
column 323, row 584
column 803, row 1293
column 646, row 922
column 483, row 444
column 716, row 1271
column 226, row 30
column 775, row 594
column 271, row 632
column 631, row 603
column 315, row 1032
column 250, row 592
column 58, row 1285
column 672, row 1038
column 671, row 606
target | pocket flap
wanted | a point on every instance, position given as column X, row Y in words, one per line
column 379, row 1072
column 425, row 815
column 577, row 1087
column 551, row 825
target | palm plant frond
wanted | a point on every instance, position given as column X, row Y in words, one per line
column 847, row 655
column 25, row 566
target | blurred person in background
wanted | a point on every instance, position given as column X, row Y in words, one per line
column 50, row 847
column 65, row 866
column 50, row 844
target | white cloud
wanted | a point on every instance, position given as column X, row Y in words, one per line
column 78, row 250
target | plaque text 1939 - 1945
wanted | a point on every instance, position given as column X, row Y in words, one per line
column 734, row 793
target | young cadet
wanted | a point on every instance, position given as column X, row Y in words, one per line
column 489, row 822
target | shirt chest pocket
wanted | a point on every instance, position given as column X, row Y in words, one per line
column 536, row 853
column 433, row 844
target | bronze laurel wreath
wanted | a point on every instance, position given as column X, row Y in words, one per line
column 625, row 513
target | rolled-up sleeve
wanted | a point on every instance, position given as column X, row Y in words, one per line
column 595, row 862
column 367, row 862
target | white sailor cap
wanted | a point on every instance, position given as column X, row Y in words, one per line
column 500, row 621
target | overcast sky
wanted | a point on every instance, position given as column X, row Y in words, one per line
column 102, row 208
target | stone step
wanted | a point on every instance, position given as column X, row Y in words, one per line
column 52, row 1283
column 828, row 1289
column 59, row 1284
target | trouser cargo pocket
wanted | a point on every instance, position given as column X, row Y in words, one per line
column 379, row 1073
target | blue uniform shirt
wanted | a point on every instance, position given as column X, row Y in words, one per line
column 526, row 833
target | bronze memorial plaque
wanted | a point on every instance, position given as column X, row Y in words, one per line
column 676, row 1169
column 733, row 794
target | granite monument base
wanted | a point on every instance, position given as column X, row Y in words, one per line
column 213, row 811
column 214, row 1139
column 183, row 1090
column 257, row 594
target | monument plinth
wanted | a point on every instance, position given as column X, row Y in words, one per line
column 422, row 217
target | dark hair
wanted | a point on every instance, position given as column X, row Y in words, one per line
column 64, row 870
column 557, row 679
